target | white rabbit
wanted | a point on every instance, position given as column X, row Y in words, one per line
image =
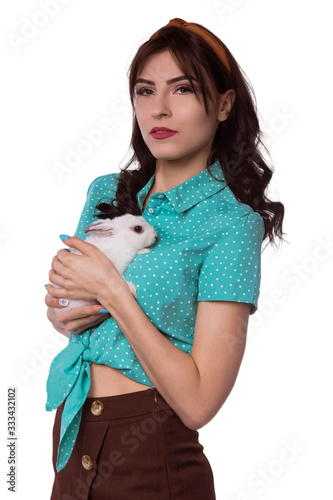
column 120, row 239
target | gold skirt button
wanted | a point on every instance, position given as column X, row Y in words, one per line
column 87, row 462
column 97, row 408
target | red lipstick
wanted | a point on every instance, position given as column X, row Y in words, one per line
column 162, row 132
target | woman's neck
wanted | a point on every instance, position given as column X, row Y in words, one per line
column 169, row 174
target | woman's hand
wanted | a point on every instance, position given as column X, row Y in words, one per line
column 80, row 277
column 75, row 320
column 83, row 277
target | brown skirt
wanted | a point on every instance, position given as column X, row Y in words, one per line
column 132, row 447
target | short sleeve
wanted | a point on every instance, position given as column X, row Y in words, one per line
column 231, row 270
column 101, row 189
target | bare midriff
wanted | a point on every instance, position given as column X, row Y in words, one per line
column 107, row 381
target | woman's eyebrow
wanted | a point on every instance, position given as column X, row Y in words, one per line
column 168, row 82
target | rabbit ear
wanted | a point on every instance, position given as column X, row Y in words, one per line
column 100, row 228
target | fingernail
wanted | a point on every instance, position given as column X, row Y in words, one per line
column 103, row 311
column 63, row 302
column 45, row 286
column 63, row 237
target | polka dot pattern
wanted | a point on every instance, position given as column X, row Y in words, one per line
column 208, row 248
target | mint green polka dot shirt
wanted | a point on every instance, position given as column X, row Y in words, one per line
column 208, row 248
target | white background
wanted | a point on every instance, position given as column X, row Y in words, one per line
column 272, row 439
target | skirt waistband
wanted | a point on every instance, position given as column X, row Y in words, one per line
column 124, row 405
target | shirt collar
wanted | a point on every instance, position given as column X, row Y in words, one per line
column 190, row 192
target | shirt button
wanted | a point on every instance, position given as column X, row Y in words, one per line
column 97, row 408
column 87, row 462
column 161, row 195
column 151, row 210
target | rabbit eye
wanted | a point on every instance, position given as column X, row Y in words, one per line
column 138, row 229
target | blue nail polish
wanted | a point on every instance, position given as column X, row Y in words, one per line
column 63, row 237
column 103, row 311
column 45, row 286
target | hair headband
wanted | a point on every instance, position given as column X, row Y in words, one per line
column 214, row 44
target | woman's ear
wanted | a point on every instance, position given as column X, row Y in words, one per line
column 225, row 102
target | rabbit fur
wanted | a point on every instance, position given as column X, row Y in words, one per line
column 120, row 239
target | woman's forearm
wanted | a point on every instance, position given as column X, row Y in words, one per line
column 173, row 372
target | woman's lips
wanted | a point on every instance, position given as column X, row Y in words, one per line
column 162, row 132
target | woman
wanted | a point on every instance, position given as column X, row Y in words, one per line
column 141, row 375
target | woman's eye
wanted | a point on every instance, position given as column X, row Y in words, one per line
column 144, row 91
column 184, row 89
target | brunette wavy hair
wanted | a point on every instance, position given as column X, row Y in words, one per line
column 237, row 142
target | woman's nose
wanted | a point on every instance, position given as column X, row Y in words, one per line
column 160, row 106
